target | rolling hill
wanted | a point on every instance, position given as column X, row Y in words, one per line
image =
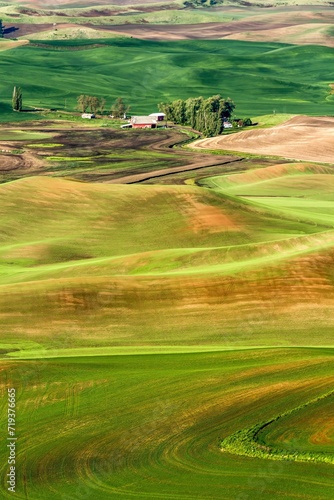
column 300, row 138
column 139, row 265
column 112, row 68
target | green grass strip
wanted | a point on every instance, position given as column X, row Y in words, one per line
column 246, row 443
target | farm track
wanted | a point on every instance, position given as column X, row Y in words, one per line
column 202, row 162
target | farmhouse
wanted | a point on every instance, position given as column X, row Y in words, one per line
column 143, row 122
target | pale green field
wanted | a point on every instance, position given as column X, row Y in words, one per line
column 301, row 190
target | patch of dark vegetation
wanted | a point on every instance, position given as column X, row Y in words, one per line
column 95, row 155
column 98, row 13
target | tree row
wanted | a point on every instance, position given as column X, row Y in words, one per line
column 205, row 115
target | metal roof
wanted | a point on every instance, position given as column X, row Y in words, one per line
column 143, row 120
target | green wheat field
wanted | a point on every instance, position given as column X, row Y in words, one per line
column 171, row 339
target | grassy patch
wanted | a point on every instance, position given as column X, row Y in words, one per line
column 45, row 145
column 22, row 135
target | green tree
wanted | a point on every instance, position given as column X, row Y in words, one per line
column 94, row 104
column 205, row 115
column 119, row 108
column 193, row 107
column 102, row 105
column 82, row 103
column 179, row 112
column 1, row 29
column 17, row 99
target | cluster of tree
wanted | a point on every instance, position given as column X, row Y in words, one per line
column 96, row 104
column 1, row 29
column 201, row 3
column 17, row 99
column 119, row 109
column 205, row 115
column 91, row 103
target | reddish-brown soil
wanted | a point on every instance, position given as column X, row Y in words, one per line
column 19, row 29
column 190, row 31
column 204, row 217
column 43, row 4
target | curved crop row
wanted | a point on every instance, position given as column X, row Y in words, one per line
column 245, row 442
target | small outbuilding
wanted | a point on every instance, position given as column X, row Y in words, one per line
column 160, row 117
column 88, row 116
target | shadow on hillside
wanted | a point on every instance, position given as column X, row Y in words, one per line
column 8, row 31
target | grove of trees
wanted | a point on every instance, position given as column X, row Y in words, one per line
column 119, row 108
column 97, row 104
column 205, row 115
column 91, row 103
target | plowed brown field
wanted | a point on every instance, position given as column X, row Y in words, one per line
column 300, row 138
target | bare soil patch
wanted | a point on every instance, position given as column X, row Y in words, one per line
column 208, row 218
column 190, row 31
column 42, row 4
column 21, row 29
column 298, row 25
column 301, row 138
column 301, row 34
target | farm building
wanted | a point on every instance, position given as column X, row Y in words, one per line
column 160, row 117
column 143, row 122
column 88, row 115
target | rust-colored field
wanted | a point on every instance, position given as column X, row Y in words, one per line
column 301, row 138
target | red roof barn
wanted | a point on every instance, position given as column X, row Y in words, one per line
column 143, row 122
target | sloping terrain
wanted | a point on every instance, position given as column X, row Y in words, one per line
column 111, row 68
column 112, row 265
column 168, row 20
column 149, row 426
column 302, row 138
